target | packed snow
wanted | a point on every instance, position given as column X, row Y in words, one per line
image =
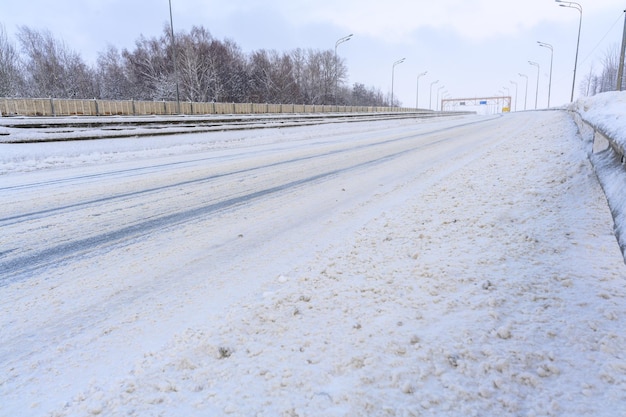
column 472, row 269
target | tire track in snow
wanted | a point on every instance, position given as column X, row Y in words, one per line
column 22, row 266
column 125, row 173
column 60, row 253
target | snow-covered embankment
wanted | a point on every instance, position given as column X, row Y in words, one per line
column 601, row 117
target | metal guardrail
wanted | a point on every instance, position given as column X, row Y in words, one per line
column 68, row 107
column 607, row 165
column 598, row 137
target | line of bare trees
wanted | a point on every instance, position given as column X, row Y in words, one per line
column 207, row 70
column 606, row 79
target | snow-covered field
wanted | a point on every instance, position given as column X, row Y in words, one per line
column 457, row 267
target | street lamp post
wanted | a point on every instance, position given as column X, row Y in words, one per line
column 508, row 94
column 417, row 92
column 444, row 95
column 430, row 98
column 174, row 58
column 339, row 42
column 547, row 45
column 438, row 90
column 620, row 68
column 578, row 7
column 393, row 68
column 513, row 82
column 498, row 107
column 526, row 93
column 536, row 91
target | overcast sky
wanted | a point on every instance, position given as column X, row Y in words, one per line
column 473, row 47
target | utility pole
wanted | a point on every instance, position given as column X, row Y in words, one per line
column 620, row 72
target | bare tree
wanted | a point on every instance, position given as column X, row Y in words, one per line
column 610, row 63
column 594, row 83
column 11, row 81
column 314, row 72
column 273, row 77
column 52, row 69
column 150, row 70
column 208, row 70
column 196, row 67
column 321, row 65
column 227, row 66
column 366, row 97
column 237, row 79
column 112, row 76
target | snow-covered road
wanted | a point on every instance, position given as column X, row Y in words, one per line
column 463, row 266
column 78, row 211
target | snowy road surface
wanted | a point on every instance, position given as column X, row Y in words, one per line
column 464, row 266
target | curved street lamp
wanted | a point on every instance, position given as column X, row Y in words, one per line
column 438, row 90
column 444, row 94
column 339, row 42
column 547, row 45
column 398, row 62
column 508, row 94
column 537, row 91
column 513, row 82
column 430, row 99
column 574, row 5
column 417, row 92
column 526, row 93
column 499, row 95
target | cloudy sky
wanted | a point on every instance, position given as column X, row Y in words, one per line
column 474, row 48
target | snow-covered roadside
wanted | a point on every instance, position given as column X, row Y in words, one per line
column 607, row 113
column 497, row 291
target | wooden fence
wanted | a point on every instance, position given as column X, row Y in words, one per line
column 65, row 107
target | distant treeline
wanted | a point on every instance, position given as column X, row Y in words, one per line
column 595, row 82
column 207, row 70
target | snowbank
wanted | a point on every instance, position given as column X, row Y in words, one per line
column 606, row 113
